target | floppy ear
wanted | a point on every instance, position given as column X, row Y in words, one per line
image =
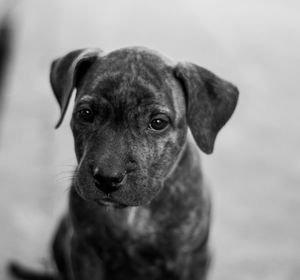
column 210, row 102
column 66, row 74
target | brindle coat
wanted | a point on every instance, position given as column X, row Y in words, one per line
column 153, row 223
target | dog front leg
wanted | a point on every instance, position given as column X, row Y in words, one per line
column 85, row 264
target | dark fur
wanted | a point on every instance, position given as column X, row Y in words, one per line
column 156, row 224
column 5, row 50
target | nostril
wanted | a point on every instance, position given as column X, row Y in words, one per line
column 118, row 178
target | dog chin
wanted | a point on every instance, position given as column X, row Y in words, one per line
column 102, row 200
column 109, row 203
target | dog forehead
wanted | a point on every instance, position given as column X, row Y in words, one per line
column 131, row 74
column 136, row 57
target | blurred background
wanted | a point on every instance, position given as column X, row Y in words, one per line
column 254, row 171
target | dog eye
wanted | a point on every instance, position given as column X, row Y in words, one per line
column 86, row 115
column 159, row 123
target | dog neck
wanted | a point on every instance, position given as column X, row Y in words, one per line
column 184, row 181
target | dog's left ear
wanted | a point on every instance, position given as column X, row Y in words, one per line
column 210, row 102
column 66, row 74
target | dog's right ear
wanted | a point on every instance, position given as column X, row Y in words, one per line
column 66, row 74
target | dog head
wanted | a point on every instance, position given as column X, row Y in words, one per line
column 132, row 111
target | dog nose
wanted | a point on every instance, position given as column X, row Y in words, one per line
column 109, row 182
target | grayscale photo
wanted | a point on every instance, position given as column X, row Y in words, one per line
column 149, row 140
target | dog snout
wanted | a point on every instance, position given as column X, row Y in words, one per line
column 109, row 180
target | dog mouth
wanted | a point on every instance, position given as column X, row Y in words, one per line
column 108, row 201
column 102, row 200
column 133, row 193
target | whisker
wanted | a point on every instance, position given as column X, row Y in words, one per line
column 67, row 190
column 65, row 178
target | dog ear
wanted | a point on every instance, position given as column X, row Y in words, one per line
column 66, row 74
column 210, row 102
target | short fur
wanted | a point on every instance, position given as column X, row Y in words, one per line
column 155, row 224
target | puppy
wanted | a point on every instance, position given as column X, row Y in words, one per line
column 138, row 207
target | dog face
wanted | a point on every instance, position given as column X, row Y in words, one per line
column 130, row 119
